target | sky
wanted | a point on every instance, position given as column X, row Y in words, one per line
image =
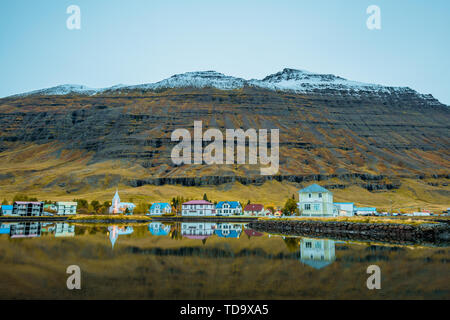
column 144, row 41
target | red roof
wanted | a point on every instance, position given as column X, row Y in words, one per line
column 198, row 202
column 254, row 207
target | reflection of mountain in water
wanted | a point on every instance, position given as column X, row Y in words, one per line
column 159, row 229
column 317, row 253
column 116, row 231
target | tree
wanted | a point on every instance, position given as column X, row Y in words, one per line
column 290, row 207
column 205, row 197
column 95, row 205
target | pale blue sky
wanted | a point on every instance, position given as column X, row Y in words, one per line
column 141, row 41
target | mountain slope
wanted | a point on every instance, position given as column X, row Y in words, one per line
column 330, row 128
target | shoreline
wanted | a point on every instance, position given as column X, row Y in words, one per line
column 437, row 234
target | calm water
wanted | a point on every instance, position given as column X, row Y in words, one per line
column 208, row 261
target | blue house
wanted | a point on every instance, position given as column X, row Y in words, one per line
column 228, row 208
column 6, row 210
column 159, row 208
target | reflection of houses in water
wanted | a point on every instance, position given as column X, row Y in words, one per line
column 159, row 229
column 197, row 230
column 64, row 230
column 4, row 228
column 252, row 233
column 317, row 253
column 116, row 231
column 25, row 230
column 228, row 230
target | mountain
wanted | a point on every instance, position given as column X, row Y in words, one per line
column 76, row 138
column 288, row 80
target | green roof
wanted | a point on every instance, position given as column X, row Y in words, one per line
column 314, row 188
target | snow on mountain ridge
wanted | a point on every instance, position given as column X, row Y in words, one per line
column 299, row 81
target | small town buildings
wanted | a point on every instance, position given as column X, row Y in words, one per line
column 421, row 214
column 159, row 229
column 254, row 209
column 317, row 253
column 159, row 208
column 198, row 208
column 228, row 208
column 28, row 209
column 315, row 201
column 268, row 212
column 119, row 207
column 197, row 230
column 345, row 209
column 365, row 211
column 6, row 210
column 66, row 208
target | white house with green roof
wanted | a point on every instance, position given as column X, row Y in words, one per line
column 316, row 201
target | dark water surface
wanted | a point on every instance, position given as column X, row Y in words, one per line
column 208, row 261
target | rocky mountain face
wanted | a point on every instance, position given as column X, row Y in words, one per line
column 330, row 127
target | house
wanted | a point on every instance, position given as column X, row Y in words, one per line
column 64, row 230
column 228, row 230
column 317, row 253
column 28, row 208
column 268, row 212
column 421, row 214
column 278, row 214
column 365, row 211
column 159, row 229
column 228, row 208
column 198, row 208
column 315, row 201
column 254, row 209
column 159, row 208
column 197, row 230
column 6, row 210
column 119, row 207
column 345, row 209
column 66, row 208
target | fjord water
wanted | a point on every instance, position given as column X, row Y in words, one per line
column 208, row 261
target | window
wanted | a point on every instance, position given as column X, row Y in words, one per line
column 320, row 195
column 309, row 195
column 316, row 207
column 308, row 245
column 307, row 206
